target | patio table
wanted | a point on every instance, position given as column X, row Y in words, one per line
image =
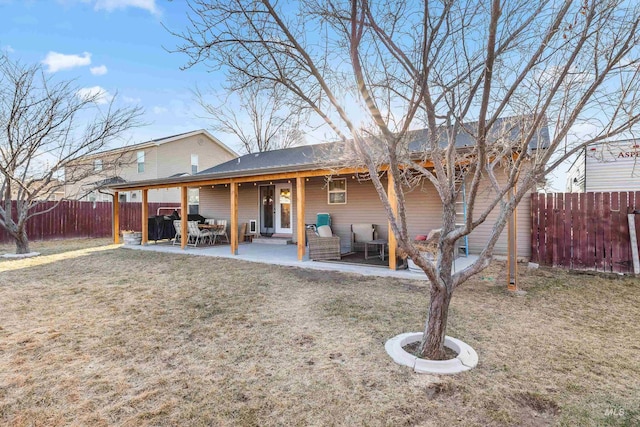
column 381, row 243
column 212, row 228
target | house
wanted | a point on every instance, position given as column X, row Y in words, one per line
column 48, row 190
column 606, row 166
column 173, row 156
column 282, row 191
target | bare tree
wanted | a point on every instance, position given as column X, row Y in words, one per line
column 261, row 118
column 495, row 74
column 41, row 134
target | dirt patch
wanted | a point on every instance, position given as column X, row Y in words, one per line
column 537, row 402
column 415, row 346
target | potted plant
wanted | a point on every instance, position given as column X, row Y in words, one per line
column 131, row 237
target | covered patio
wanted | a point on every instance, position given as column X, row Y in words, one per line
column 287, row 255
column 234, row 192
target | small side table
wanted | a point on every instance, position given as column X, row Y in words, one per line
column 381, row 243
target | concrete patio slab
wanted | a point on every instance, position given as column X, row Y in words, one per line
column 287, row 255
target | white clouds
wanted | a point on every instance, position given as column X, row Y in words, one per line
column 99, row 70
column 130, row 100
column 59, row 61
column 111, row 5
column 8, row 49
column 159, row 110
column 98, row 94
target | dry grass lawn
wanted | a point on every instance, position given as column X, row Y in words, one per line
column 122, row 337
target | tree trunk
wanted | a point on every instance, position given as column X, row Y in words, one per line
column 432, row 344
column 22, row 242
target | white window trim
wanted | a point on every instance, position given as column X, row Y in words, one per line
column 140, row 156
column 329, row 192
column 97, row 165
column 194, row 157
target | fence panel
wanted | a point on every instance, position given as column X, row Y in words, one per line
column 72, row 218
column 587, row 231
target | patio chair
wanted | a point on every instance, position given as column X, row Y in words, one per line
column 196, row 235
column 210, row 221
column 177, row 225
column 323, row 248
column 222, row 231
column 362, row 233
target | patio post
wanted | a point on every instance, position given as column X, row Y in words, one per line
column 184, row 210
column 300, row 202
column 512, row 250
column 393, row 201
column 145, row 216
column 116, row 217
column 234, row 218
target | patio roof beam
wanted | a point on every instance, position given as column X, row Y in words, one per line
column 116, row 218
column 184, row 210
column 234, row 218
column 512, row 249
column 393, row 201
column 145, row 216
column 300, row 203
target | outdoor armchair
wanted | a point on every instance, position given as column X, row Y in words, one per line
column 362, row 233
column 323, row 248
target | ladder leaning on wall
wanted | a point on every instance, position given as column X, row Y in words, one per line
column 461, row 217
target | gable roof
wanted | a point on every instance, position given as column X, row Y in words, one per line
column 160, row 141
column 318, row 156
column 294, row 158
column 312, row 156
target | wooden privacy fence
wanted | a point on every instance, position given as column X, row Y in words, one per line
column 584, row 231
column 72, row 218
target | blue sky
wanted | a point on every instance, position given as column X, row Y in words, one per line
column 116, row 47
column 119, row 47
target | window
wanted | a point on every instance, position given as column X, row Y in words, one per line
column 97, row 165
column 194, row 164
column 337, row 191
column 140, row 161
column 193, row 200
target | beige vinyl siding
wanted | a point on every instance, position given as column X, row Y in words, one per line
column 161, row 161
column 424, row 211
column 128, row 170
column 169, row 195
column 363, row 206
column 479, row 237
column 216, row 202
column 175, row 157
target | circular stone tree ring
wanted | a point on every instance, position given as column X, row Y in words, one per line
column 467, row 357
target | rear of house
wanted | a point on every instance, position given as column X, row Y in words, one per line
column 349, row 200
column 279, row 192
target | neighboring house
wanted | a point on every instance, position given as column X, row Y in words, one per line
column 180, row 155
column 283, row 190
column 606, row 166
column 53, row 190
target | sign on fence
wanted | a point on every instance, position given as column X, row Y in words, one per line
column 584, row 231
column 72, row 218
